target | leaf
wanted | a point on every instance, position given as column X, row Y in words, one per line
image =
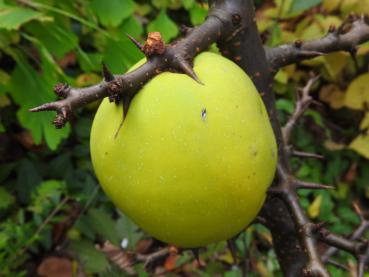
column 301, row 5
column 361, row 145
column 132, row 27
column 112, row 12
column 364, row 124
column 102, row 223
column 30, row 89
column 357, row 94
column 54, row 36
column 314, row 208
column 93, row 261
column 120, row 55
column 198, row 14
column 13, row 17
column 6, row 199
column 163, row 24
column 27, row 179
column 332, row 95
column 128, row 230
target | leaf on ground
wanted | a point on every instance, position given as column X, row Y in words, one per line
column 118, row 256
column 55, row 267
column 92, row 260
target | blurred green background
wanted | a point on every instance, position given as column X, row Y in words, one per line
column 52, row 211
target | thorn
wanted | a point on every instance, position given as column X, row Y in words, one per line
column 307, row 155
column 135, row 42
column 309, row 54
column 233, row 249
column 45, row 107
column 307, row 185
column 187, row 69
column 126, row 104
column 108, row 76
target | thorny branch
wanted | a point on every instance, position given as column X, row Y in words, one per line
column 232, row 26
column 347, row 37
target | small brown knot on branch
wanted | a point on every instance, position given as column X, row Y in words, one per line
column 236, row 19
column 154, row 44
column 115, row 88
column 298, row 43
column 332, row 28
column 59, row 121
column 62, row 90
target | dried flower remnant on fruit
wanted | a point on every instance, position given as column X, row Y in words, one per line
column 154, row 44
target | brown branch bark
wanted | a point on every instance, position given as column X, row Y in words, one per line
column 353, row 32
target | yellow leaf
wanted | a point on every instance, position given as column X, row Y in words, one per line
column 334, row 63
column 364, row 124
column 333, row 146
column 331, row 5
column 361, row 145
column 87, row 79
column 281, row 77
column 357, row 95
column 332, row 95
column 314, row 208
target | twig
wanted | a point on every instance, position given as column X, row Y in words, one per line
column 302, row 103
column 347, row 37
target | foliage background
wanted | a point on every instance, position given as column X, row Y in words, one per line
column 52, row 211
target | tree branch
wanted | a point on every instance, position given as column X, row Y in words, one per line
column 353, row 32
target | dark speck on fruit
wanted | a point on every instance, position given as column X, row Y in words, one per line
column 203, row 114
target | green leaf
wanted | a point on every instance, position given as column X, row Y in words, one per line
column 102, row 223
column 12, row 17
column 301, row 5
column 92, row 259
column 198, row 14
column 128, row 229
column 6, row 199
column 112, row 12
column 121, row 54
column 30, row 89
column 28, row 179
column 132, row 27
column 163, row 24
column 54, row 37
column 187, row 4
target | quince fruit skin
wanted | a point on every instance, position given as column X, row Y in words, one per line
column 191, row 163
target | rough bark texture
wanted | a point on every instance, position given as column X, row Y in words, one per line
column 231, row 24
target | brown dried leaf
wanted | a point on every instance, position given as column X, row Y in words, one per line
column 55, row 267
column 118, row 256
